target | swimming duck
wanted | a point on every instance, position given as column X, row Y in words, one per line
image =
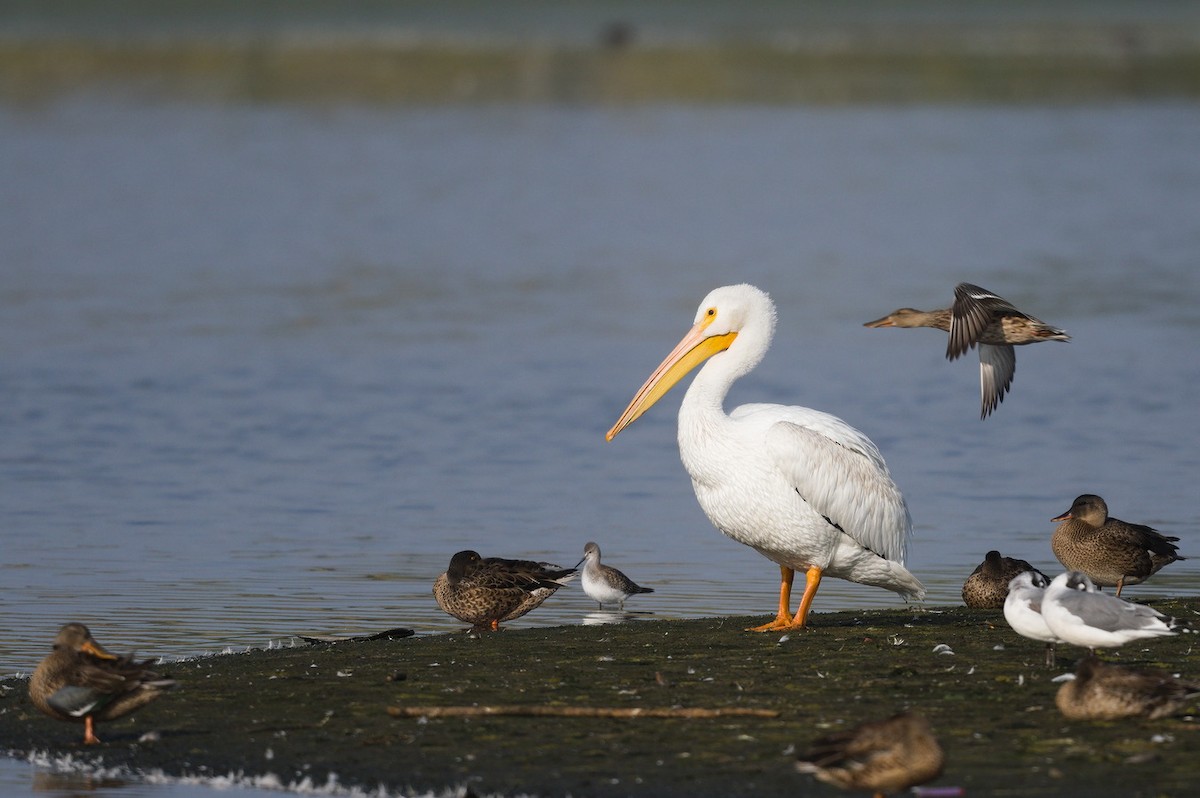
column 983, row 319
column 1110, row 551
column 882, row 756
column 603, row 582
column 1101, row 691
column 987, row 586
column 486, row 591
column 80, row 681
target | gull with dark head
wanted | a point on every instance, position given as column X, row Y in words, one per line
column 803, row 488
column 1078, row 614
column 1023, row 610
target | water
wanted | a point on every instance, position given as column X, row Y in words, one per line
column 263, row 369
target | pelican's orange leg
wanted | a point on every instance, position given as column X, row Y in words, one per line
column 783, row 618
column 812, row 580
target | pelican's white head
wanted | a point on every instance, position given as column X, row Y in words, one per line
column 733, row 313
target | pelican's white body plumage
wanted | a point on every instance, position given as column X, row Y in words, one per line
column 802, row 487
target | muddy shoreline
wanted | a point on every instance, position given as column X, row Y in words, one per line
column 603, row 53
column 315, row 710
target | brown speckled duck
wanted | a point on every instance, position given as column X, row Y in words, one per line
column 1110, row 551
column 987, row 586
column 881, row 756
column 1101, row 691
column 82, row 682
column 486, row 591
column 980, row 319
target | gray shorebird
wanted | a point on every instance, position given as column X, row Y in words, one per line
column 979, row 318
column 486, row 591
column 1112, row 552
column 81, row 682
column 882, row 756
column 1101, row 691
column 987, row 586
column 603, row 583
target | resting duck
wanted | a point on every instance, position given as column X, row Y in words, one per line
column 1110, row 551
column 990, row 322
column 987, row 586
column 1101, row 691
column 485, row 591
column 82, row 682
column 883, row 756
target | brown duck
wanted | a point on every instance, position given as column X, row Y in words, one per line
column 485, row 591
column 980, row 319
column 82, row 682
column 987, row 586
column 1110, row 551
column 1101, row 691
column 881, row 756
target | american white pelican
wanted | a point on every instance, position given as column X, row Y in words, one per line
column 979, row 317
column 802, row 487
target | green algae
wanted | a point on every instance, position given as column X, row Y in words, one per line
column 317, row 710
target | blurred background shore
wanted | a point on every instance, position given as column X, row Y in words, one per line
column 547, row 51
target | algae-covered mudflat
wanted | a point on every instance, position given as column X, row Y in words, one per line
column 311, row 711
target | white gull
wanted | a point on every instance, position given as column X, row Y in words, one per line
column 1023, row 610
column 1077, row 613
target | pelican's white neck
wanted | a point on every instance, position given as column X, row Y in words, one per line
column 750, row 313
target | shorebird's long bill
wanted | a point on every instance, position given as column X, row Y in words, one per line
column 696, row 347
